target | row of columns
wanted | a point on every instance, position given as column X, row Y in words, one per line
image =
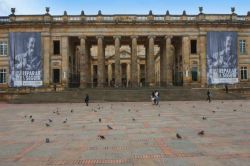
column 166, row 73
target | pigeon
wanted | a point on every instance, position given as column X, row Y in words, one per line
column 47, row 140
column 201, row 132
column 65, row 121
column 32, row 120
column 204, row 118
column 100, row 120
column 213, row 111
column 71, row 110
column 25, row 116
column 235, row 110
column 50, row 120
column 30, row 116
column 133, row 119
column 109, row 127
column 129, row 110
column 178, row 136
column 47, row 125
column 159, row 114
column 101, row 136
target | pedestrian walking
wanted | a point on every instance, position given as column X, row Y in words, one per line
column 87, row 100
column 226, row 88
column 208, row 95
column 157, row 97
column 153, row 97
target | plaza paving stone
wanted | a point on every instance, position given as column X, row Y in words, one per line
column 149, row 139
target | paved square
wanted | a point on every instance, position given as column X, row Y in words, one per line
column 142, row 134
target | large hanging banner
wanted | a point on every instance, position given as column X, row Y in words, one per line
column 25, row 59
column 222, row 58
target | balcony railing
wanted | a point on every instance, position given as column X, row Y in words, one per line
column 57, row 18
column 74, row 18
column 4, row 19
column 123, row 18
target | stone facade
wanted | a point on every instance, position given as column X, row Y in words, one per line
column 126, row 50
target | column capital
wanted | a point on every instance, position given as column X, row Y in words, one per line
column 117, row 37
column 168, row 37
column 82, row 37
column 100, row 37
column 133, row 37
column 151, row 37
column 185, row 36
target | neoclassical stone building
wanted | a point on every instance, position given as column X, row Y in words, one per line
column 125, row 50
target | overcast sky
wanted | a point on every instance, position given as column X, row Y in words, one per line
column 74, row 7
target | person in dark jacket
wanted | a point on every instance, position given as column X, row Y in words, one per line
column 208, row 95
column 87, row 100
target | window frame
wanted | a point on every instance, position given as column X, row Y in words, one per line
column 242, row 45
column 196, row 51
column 243, row 73
column 59, row 49
column 3, row 72
column 4, row 45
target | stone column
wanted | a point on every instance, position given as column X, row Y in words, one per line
column 65, row 61
column 117, row 61
column 128, row 73
column 170, row 60
column 101, row 62
column 166, row 63
column 185, row 60
column 109, row 73
column 151, row 62
column 92, row 75
column 46, row 60
column 84, row 64
column 163, row 64
column 134, row 69
column 203, row 62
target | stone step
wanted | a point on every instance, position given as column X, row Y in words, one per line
column 124, row 95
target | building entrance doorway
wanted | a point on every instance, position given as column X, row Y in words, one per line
column 56, row 76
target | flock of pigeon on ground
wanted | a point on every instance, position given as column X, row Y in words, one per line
column 102, row 137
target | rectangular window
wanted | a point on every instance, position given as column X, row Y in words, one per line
column 56, row 44
column 193, row 46
column 3, row 48
column 243, row 73
column 2, row 76
column 242, row 46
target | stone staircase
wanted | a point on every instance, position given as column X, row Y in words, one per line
column 125, row 95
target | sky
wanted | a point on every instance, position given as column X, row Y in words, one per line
column 74, row 7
